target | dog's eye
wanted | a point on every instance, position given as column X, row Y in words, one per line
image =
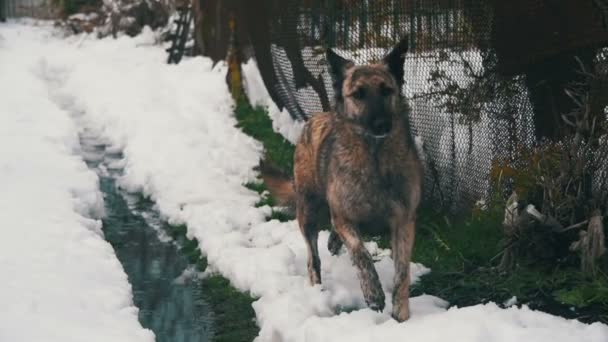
column 385, row 90
column 359, row 93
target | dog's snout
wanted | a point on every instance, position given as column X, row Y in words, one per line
column 381, row 126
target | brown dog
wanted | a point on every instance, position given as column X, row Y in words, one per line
column 358, row 166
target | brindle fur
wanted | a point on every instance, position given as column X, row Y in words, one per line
column 363, row 183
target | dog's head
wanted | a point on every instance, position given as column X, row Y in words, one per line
column 369, row 95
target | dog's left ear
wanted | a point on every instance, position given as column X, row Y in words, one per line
column 395, row 60
column 337, row 67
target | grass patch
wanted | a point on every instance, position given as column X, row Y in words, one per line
column 232, row 309
column 463, row 256
column 256, row 123
column 265, row 198
column 233, row 315
column 188, row 247
column 282, row 215
column 462, row 252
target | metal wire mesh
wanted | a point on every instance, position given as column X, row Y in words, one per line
column 41, row 9
column 465, row 112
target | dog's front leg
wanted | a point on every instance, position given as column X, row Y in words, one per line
column 370, row 283
column 402, row 243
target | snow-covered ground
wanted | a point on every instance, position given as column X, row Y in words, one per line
column 61, row 281
column 175, row 127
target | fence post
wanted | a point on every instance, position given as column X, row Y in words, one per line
column 363, row 9
column 234, row 78
column 2, row 10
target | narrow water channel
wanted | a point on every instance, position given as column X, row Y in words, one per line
column 170, row 304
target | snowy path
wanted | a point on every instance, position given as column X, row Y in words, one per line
column 166, row 291
column 175, row 128
column 60, row 279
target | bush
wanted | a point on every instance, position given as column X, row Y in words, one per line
column 559, row 189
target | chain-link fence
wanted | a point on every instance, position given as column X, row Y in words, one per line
column 470, row 92
column 41, row 9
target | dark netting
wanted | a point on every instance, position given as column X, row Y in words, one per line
column 466, row 113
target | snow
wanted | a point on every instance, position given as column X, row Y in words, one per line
column 61, row 281
column 175, row 127
column 282, row 122
column 83, row 16
column 510, row 302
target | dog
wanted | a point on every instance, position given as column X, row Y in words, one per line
column 358, row 168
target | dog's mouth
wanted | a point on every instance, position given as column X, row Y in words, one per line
column 379, row 136
column 380, row 128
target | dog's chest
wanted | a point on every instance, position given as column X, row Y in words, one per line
column 365, row 189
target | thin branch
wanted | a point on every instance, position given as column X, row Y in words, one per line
column 574, row 226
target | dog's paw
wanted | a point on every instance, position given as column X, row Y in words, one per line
column 401, row 317
column 334, row 244
column 376, row 307
column 401, row 311
column 375, row 300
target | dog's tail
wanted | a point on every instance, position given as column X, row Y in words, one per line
column 279, row 184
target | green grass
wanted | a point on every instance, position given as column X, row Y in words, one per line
column 282, row 215
column 188, row 247
column 457, row 245
column 234, row 318
column 462, row 253
column 232, row 311
column 233, row 315
column 256, row 123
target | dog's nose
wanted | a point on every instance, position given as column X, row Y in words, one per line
column 380, row 126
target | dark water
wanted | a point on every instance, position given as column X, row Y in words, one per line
column 170, row 304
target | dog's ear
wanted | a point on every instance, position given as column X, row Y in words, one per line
column 395, row 60
column 337, row 69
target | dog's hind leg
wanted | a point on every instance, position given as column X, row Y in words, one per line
column 402, row 243
column 307, row 211
column 368, row 277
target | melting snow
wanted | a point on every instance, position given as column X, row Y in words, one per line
column 61, row 281
column 175, row 127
